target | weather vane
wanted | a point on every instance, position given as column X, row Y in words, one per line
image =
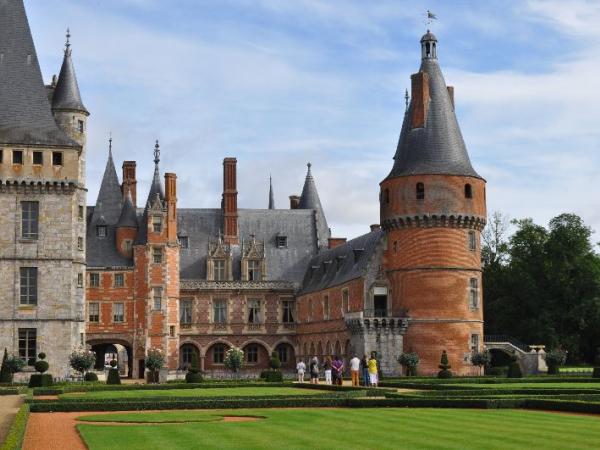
column 156, row 153
column 430, row 18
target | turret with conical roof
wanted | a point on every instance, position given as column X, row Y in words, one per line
column 309, row 199
column 271, row 196
column 432, row 207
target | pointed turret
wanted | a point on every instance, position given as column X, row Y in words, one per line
column 309, row 199
column 110, row 197
column 271, row 196
column 66, row 93
column 25, row 116
column 430, row 141
column 128, row 217
column 156, row 186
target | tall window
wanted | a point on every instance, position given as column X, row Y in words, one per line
column 220, row 310
column 94, row 312
column 157, row 255
column 119, row 280
column 420, row 191
column 101, row 231
column 468, row 191
column 94, row 279
column 184, row 241
column 29, row 219
column 282, row 352
column 157, row 299
column 157, row 224
column 252, row 353
column 281, row 242
column 187, row 350
column 79, row 243
column 28, row 345
column 287, row 309
column 473, row 293
column 80, row 126
column 80, row 280
column 254, row 315
column 254, row 270
column 474, row 343
column 28, row 279
column 80, row 212
column 185, row 316
column 345, row 301
column 219, row 268
column 326, row 307
column 218, row 354
column 472, row 240
column 118, row 312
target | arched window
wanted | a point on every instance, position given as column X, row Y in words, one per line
column 420, row 191
column 187, row 350
column 219, row 353
column 386, row 196
column 283, row 353
column 468, row 191
column 251, row 352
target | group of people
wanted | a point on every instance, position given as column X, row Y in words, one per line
column 333, row 370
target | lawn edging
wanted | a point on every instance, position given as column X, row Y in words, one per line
column 16, row 433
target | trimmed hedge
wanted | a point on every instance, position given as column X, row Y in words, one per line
column 397, row 382
column 560, row 405
column 165, row 386
column 40, row 380
column 497, row 392
column 47, row 391
column 9, row 391
column 14, row 438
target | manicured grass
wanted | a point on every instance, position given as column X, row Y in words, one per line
column 153, row 417
column 206, row 393
column 358, row 429
column 531, row 385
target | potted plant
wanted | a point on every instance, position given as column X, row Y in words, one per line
column 445, row 371
column 555, row 359
column 409, row 361
column 155, row 360
column 234, row 360
column 82, row 360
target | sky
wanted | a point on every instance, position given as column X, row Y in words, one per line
column 279, row 83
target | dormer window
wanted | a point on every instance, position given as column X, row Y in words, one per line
column 281, row 241
column 101, row 231
column 219, row 270
column 184, row 241
column 254, row 270
column 420, row 190
column 157, row 224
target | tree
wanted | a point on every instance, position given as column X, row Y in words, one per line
column 555, row 359
column 155, row 360
column 5, row 375
column 481, row 359
column 494, row 249
column 82, row 360
column 445, row 371
column 234, row 359
column 14, row 364
column 409, row 361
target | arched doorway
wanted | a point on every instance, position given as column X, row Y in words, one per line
column 118, row 351
column 256, row 356
column 186, row 353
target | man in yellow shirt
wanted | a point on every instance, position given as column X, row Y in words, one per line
column 372, row 364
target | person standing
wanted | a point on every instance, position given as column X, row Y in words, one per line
column 327, row 370
column 372, row 364
column 354, row 368
column 338, row 370
column 300, row 368
column 364, row 365
column 314, row 371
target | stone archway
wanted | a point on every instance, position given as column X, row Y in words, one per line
column 121, row 351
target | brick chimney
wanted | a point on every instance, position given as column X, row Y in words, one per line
column 420, row 99
column 230, row 212
column 294, row 201
column 171, row 199
column 336, row 242
column 451, row 94
column 129, row 180
column 375, row 226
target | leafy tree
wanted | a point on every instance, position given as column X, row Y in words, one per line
column 481, row 359
column 410, row 361
column 555, row 359
column 234, row 359
column 82, row 360
column 155, row 360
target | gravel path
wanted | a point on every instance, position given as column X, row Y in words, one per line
column 9, row 406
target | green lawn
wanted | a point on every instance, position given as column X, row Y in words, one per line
column 203, row 392
column 356, row 429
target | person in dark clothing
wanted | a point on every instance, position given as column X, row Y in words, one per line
column 364, row 370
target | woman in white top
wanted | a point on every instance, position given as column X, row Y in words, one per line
column 301, row 368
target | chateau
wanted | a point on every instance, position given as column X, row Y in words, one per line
column 133, row 272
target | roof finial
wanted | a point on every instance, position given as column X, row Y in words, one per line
column 68, row 43
column 110, row 144
column 406, row 97
column 156, row 153
column 309, row 165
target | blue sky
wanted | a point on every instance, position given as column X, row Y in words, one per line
column 278, row 83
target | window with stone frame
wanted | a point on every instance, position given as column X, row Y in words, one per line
column 17, row 157
column 184, row 241
column 38, row 158
column 127, row 245
column 94, row 279
column 185, row 311
column 288, row 310
column 251, row 352
column 57, row 158
column 219, row 353
column 30, row 212
column 101, row 231
column 474, row 343
column 281, row 241
column 80, row 212
column 326, row 307
column 28, row 285
column 473, row 293
column 118, row 312
column 79, row 243
column 345, row 300
column 157, row 299
column 80, row 280
column 472, row 237
column 219, row 268
column 80, row 126
column 28, row 345
column 254, row 311
column 219, row 310
column 283, row 353
column 157, row 255
column 254, row 270
column 94, row 312
column 187, row 352
column 119, row 280
column 157, row 224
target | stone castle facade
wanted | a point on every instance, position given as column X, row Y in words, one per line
column 125, row 275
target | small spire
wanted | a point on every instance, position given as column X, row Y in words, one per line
column 309, row 165
column 110, row 144
column 68, row 40
column 156, row 153
column 406, row 97
column 271, row 196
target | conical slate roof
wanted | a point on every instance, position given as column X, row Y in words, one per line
column 271, row 196
column 309, row 199
column 25, row 116
column 128, row 217
column 66, row 93
column 109, row 199
column 438, row 147
column 156, row 186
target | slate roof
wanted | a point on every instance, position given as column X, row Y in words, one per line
column 66, row 94
column 346, row 262
column 438, row 147
column 283, row 264
column 309, row 199
column 25, row 116
column 128, row 217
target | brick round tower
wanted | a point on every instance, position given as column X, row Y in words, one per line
column 433, row 209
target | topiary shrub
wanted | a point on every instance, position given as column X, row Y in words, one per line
column 113, row 376
column 40, row 380
column 5, row 375
column 555, row 359
column 274, row 376
column 41, row 366
column 193, row 374
column 113, row 363
column 274, row 361
column 514, row 370
column 90, row 376
column 445, row 371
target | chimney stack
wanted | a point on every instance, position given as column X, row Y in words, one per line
column 420, row 99
column 375, row 226
column 336, row 242
column 129, row 181
column 230, row 212
column 171, row 199
column 294, row 201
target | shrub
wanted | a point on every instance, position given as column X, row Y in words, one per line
column 596, row 373
column 10, row 365
column 193, row 374
column 410, row 361
column 41, row 355
column 112, row 363
column 274, row 361
column 274, row 376
column 82, row 360
column 155, row 360
column 40, row 380
column 5, row 375
column 14, row 438
column 555, row 359
column 113, row 376
column 481, row 359
column 41, row 366
column 264, row 374
column 514, row 370
column 445, row 371
column 90, row 376
column 234, row 359
column 500, row 371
